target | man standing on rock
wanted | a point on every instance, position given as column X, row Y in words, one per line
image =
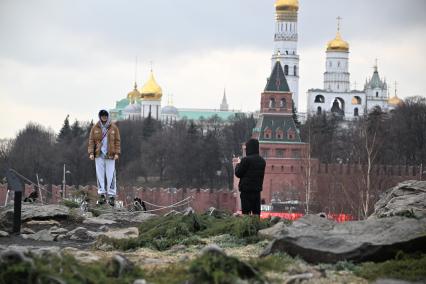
column 251, row 170
column 104, row 148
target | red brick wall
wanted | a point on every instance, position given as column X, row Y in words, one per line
column 201, row 199
column 265, row 98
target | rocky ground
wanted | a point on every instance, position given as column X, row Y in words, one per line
column 59, row 244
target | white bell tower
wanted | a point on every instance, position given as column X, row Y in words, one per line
column 285, row 43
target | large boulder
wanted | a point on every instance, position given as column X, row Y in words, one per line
column 408, row 198
column 37, row 212
column 317, row 239
column 131, row 217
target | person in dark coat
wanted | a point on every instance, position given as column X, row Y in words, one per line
column 251, row 170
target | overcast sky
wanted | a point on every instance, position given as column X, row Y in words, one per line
column 75, row 57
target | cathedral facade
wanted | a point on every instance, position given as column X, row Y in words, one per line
column 337, row 97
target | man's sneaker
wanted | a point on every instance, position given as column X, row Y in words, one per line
column 111, row 201
column 102, row 199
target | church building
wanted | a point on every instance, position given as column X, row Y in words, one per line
column 337, row 97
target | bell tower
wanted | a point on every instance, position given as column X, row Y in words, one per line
column 285, row 43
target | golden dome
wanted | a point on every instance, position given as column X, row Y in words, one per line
column 134, row 95
column 337, row 44
column 286, row 5
column 395, row 101
column 151, row 90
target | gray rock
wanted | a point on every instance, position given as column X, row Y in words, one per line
column 104, row 228
column 42, row 235
column 57, row 231
column 32, row 211
column 177, row 248
column 4, row 234
column 12, row 256
column 120, row 265
column 274, row 231
column 39, row 251
column 212, row 249
column 27, row 231
column 298, row 278
column 98, row 221
column 131, row 217
column 43, row 222
column 408, row 198
column 316, row 239
column 59, row 238
column 80, row 234
column 395, row 281
column 83, row 256
column 140, row 281
column 126, row 233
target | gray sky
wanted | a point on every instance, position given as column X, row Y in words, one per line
column 75, row 57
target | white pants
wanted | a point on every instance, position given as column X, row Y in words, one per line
column 106, row 167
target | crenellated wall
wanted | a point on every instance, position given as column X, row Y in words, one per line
column 335, row 188
column 201, row 199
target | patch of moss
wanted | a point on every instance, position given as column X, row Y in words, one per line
column 162, row 233
column 64, row 269
column 70, row 203
column 278, row 262
column 404, row 267
column 95, row 212
column 174, row 273
column 218, row 268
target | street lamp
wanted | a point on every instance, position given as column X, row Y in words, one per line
column 64, row 182
column 38, row 186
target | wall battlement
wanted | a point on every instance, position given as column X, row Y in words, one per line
column 203, row 198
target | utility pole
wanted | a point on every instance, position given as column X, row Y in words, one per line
column 39, row 189
column 63, row 184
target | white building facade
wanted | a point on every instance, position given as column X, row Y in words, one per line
column 285, row 43
column 336, row 95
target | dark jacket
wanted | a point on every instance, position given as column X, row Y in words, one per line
column 251, row 169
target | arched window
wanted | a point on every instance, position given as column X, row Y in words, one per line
column 279, row 133
column 338, row 63
column 286, row 70
column 283, row 103
column 377, row 94
column 267, row 133
column 356, row 100
column 319, row 110
column 356, row 112
column 272, row 102
column 295, row 70
column 319, row 99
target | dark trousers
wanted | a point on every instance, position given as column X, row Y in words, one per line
column 250, row 203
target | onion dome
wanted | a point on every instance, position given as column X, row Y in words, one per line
column 338, row 44
column 134, row 95
column 169, row 110
column 286, row 5
column 395, row 101
column 151, row 90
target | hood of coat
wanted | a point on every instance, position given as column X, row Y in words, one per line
column 107, row 123
column 252, row 147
